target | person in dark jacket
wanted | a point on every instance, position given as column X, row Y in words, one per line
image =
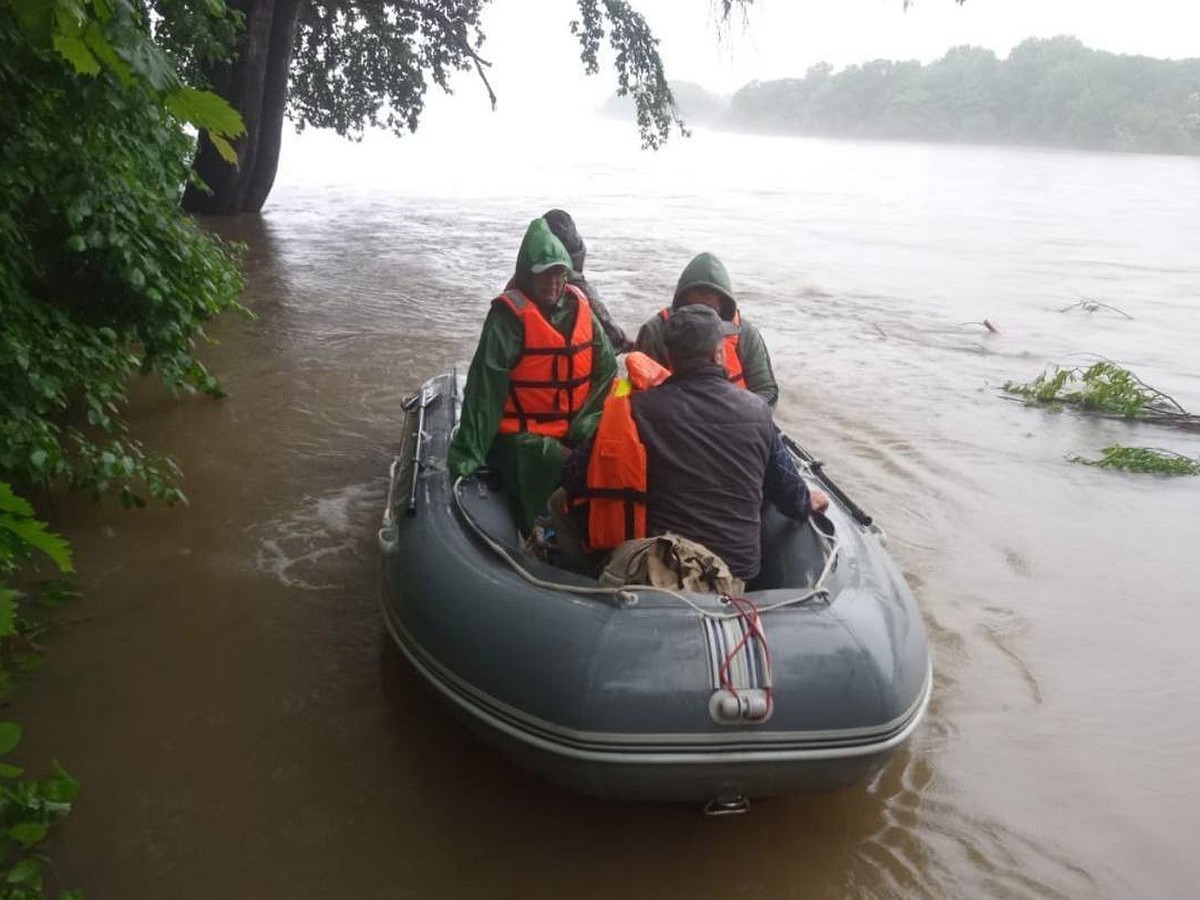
column 713, row 454
column 563, row 227
column 705, row 281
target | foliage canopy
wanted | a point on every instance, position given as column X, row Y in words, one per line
column 101, row 275
column 28, row 807
column 352, row 64
column 360, row 63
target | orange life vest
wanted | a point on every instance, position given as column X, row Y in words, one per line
column 616, row 474
column 733, row 361
column 553, row 376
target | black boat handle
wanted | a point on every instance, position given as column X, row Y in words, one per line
column 818, row 469
column 425, row 398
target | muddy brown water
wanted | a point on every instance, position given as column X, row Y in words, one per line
column 241, row 727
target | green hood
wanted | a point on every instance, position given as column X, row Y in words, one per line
column 540, row 250
column 707, row 271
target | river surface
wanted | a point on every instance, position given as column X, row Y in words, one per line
column 242, row 730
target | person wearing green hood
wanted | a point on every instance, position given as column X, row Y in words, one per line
column 705, row 281
column 538, row 380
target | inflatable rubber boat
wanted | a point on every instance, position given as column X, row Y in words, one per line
column 808, row 682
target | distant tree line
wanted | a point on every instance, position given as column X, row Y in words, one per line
column 1054, row 91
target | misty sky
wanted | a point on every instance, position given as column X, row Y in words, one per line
column 536, row 65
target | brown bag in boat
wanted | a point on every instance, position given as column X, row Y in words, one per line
column 670, row 561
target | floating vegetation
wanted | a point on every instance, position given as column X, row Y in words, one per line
column 1087, row 304
column 1143, row 459
column 1104, row 388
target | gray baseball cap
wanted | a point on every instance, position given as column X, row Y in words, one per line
column 695, row 330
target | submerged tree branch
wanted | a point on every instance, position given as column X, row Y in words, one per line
column 1105, row 389
column 1087, row 304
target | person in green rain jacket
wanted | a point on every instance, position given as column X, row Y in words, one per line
column 705, row 280
column 524, row 430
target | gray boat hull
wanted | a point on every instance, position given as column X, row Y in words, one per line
column 614, row 695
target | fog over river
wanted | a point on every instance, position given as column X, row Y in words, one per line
column 225, row 693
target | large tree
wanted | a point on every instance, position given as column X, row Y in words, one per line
column 350, row 64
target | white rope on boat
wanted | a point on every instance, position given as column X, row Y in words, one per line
column 626, row 594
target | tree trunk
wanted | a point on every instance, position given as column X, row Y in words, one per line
column 256, row 85
column 274, row 104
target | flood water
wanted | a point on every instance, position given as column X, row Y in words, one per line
column 226, row 696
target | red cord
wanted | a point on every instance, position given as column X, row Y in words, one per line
column 747, row 610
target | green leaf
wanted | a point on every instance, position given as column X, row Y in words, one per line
column 77, row 243
column 8, row 612
column 28, row 833
column 10, row 736
column 206, row 111
column 224, row 148
column 60, row 788
column 98, row 43
column 36, row 18
column 70, row 15
column 76, row 52
column 146, row 59
column 27, row 871
column 35, row 534
column 10, row 502
column 10, row 772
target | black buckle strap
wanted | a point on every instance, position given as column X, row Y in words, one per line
column 556, row 351
column 629, row 494
column 559, row 383
column 536, row 417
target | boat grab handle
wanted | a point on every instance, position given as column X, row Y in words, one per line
column 426, row 398
column 388, row 539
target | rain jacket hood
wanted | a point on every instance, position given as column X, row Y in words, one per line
column 540, row 250
column 563, row 227
column 707, row 271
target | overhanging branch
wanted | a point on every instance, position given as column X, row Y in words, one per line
column 455, row 32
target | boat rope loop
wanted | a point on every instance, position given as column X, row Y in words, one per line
column 752, row 655
column 626, row 595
